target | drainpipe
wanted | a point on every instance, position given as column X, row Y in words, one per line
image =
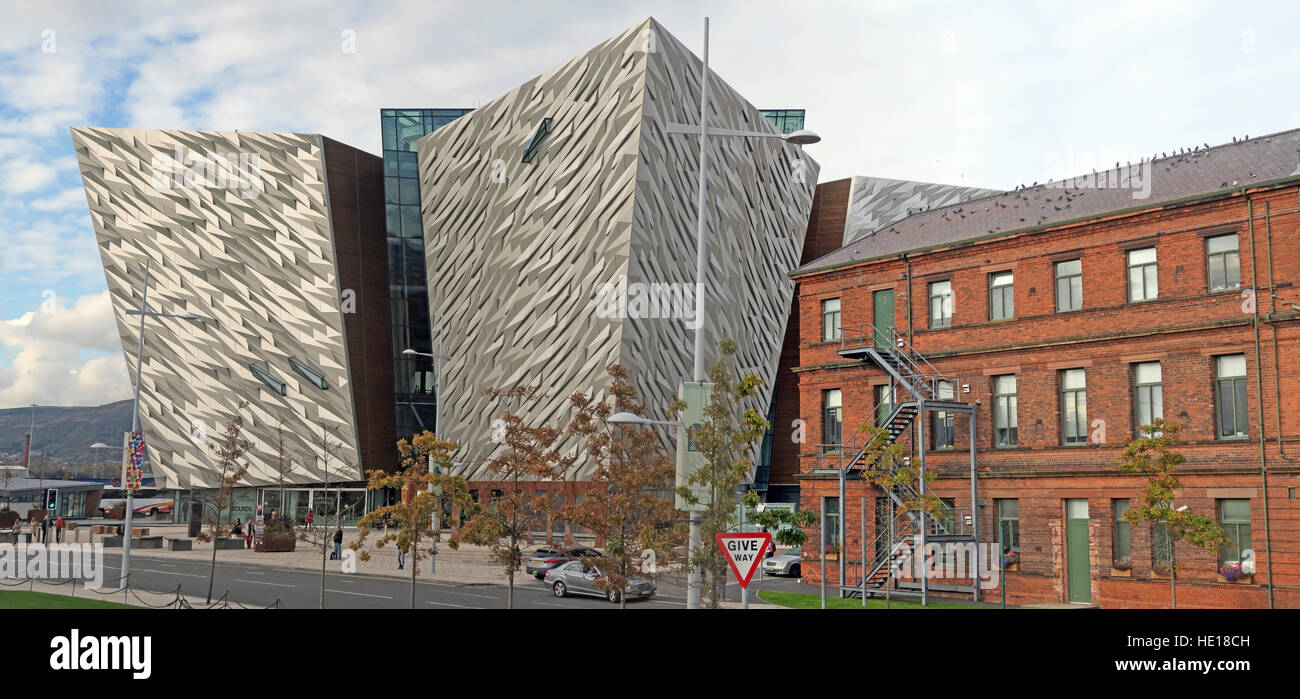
column 1259, row 397
column 1272, row 322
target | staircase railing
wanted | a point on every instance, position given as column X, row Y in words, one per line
column 915, row 368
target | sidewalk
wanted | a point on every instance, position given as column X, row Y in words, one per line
column 468, row 564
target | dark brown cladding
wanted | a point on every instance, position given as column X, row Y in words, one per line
column 356, row 202
column 830, row 209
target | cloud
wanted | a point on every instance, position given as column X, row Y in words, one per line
column 49, row 347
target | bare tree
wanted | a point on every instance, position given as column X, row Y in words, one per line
column 230, row 452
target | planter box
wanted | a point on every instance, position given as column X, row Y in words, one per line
column 1116, row 572
column 180, row 545
column 1243, row 580
column 229, row 544
column 274, row 542
column 1012, row 568
column 111, row 542
column 147, row 542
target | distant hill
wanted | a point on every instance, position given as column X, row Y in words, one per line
column 64, row 435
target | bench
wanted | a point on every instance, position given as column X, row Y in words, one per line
column 111, row 542
column 229, row 544
column 147, row 542
column 180, row 545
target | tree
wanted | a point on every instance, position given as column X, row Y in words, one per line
column 531, row 455
column 726, row 438
column 320, row 536
column 790, row 525
column 1151, row 453
column 284, row 464
column 630, row 504
column 230, row 452
column 408, row 522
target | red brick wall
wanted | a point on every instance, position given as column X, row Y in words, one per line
column 1184, row 329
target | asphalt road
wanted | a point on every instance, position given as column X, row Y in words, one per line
column 261, row 585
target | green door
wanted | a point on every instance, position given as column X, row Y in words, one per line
column 884, row 317
column 1079, row 573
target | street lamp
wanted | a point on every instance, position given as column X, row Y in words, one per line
column 101, row 445
column 143, row 312
column 800, row 137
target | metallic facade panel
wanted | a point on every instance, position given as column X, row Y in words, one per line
column 518, row 253
column 257, row 259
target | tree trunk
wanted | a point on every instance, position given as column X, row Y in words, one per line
column 415, row 561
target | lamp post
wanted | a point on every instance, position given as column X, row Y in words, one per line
column 800, row 137
column 143, row 312
column 438, row 359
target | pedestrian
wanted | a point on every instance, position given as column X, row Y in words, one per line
column 338, row 543
column 248, row 535
column 309, row 519
column 45, row 529
column 18, row 530
column 237, row 531
column 58, row 530
column 401, row 557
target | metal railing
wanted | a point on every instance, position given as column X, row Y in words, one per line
column 916, row 369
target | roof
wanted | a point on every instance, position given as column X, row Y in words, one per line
column 1199, row 171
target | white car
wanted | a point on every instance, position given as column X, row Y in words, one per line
column 784, row 564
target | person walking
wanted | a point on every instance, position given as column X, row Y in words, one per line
column 58, row 530
column 45, row 529
column 248, row 534
column 338, row 543
column 309, row 519
column 401, row 557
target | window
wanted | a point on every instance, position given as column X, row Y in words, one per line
column 884, row 404
column 1161, row 551
column 1122, row 537
column 830, row 320
column 940, row 304
column 1142, row 275
column 1002, row 305
column 944, row 422
column 1008, row 511
column 264, row 375
column 1069, row 285
column 1148, row 394
column 1234, row 519
column 535, row 143
column 1230, row 396
column 310, row 373
column 1004, row 410
column 1074, row 406
column 831, row 416
column 831, row 510
column 1223, row 262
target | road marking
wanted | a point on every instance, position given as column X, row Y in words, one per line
column 259, row 582
column 470, row 594
column 566, row 606
column 449, row 604
column 167, row 572
column 359, row 594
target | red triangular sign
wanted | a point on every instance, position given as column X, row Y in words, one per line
column 743, row 553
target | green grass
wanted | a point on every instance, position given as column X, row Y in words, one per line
column 801, row 600
column 21, row 599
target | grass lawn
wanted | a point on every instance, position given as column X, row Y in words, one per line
column 21, row 599
column 801, row 600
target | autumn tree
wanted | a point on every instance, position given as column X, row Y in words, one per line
column 630, row 504
column 408, row 524
column 530, row 454
column 232, row 468
column 1151, row 454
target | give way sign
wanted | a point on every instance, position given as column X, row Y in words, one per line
column 743, row 552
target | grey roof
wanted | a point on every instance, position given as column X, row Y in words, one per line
column 20, row 484
column 1199, row 171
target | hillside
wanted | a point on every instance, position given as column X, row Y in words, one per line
column 64, row 434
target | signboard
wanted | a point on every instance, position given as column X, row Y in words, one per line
column 133, row 461
column 743, row 553
column 689, row 457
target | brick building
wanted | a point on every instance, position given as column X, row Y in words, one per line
column 1067, row 314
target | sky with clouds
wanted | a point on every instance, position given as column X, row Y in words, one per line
column 980, row 94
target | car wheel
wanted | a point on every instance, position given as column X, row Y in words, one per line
column 794, row 570
column 559, row 589
column 612, row 596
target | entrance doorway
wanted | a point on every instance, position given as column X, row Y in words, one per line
column 1078, row 570
column 883, row 317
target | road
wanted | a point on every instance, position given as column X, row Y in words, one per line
column 261, row 585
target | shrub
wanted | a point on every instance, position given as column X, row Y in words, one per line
column 1231, row 571
column 1010, row 559
column 1162, row 568
column 1122, row 564
column 278, row 523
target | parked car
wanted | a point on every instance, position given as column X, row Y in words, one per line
column 573, row 578
column 784, row 564
column 544, row 559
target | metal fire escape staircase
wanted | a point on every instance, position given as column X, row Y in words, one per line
column 912, row 375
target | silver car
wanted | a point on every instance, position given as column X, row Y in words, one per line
column 573, row 578
column 784, row 564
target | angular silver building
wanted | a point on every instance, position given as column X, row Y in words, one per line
column 560, row 225
column 276, row 242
